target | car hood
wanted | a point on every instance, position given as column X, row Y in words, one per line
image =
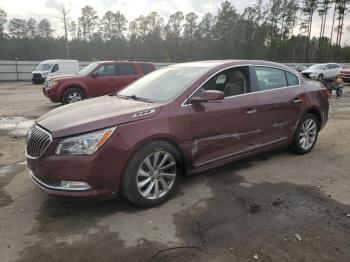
column 66, row 76
column 94, row 114
column 307, row 71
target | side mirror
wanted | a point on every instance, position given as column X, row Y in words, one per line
column 95, row 73
column 208, row 96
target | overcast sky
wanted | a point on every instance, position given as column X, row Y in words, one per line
column 40, row 9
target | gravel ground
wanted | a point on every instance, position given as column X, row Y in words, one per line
column 273, row 207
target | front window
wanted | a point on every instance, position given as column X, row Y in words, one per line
column 88, row 69
column 231, row 82
column 106, row 70
column 43, row 67
column 164, row 84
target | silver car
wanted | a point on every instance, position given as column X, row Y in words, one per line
column 322, row 71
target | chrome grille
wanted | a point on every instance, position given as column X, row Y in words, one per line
column 38, row 140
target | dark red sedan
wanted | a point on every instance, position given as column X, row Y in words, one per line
column 178, row 120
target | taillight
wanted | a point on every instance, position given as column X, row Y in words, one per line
column 324, row 90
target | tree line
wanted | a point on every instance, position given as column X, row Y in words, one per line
column 279, row 30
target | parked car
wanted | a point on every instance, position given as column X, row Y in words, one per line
column 344, row 73
column 322, row 71
column 54, row 67
column 97, row 79
column 178, row 120
column 298, row 67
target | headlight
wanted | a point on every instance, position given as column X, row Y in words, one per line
column 52, row 83
column 45, row 73
column 86, row 144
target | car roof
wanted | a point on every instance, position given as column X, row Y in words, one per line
column 233, row 62
column 58, row 60
column 123, row 61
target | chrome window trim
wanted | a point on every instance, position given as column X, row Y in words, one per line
column 244, row 65
column 50, row 136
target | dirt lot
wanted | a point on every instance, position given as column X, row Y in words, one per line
column 275, row 207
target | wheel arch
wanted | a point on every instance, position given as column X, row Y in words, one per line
column 170, row 140
column 316, row 112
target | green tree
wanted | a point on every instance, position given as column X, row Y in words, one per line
column 3, row 21
column 88, row 22
column 32, row 27
column 107, row 25
column 308, row 9
column 18, row 28
column 225, row 29
column 45, row 30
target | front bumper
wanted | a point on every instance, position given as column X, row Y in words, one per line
column 53, row 188
column 346, row 78
column 101, row 171
column 38, row 79
column 52, row 94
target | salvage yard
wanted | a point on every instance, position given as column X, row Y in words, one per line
column 274, row 207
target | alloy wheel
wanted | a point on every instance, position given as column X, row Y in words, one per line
column 156, row 175
column 308, row 133
column 74, row 97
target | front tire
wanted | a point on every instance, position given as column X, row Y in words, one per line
column 306, row 134
column 320, row 78
column 152, row 174
column 72, row 95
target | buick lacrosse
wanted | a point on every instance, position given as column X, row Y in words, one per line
column 179, row 120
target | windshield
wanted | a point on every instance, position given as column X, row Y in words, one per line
column 43, row 67
column 317, row 67
column 88, row 69
column 163, row 85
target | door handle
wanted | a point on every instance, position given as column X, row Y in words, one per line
column 251, row 111
column 297, row 100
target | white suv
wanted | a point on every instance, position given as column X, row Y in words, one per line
column 322, row 71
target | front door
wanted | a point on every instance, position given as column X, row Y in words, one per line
column 103, row 81
column 227, row 128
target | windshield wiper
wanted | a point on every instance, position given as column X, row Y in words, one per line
column 136, row 98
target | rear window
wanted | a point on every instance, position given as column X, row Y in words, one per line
column 270, row 78
column 146, row 68
column 292, row 79
column 126, row 69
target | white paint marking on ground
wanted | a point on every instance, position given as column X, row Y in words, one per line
column 16, row 126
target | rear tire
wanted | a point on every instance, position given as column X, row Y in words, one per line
column 152, row 174
column 72, row 95
column 306, row 134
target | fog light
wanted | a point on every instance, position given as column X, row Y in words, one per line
column 79, row 185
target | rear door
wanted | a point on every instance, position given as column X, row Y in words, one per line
column 227, row 128
column 328, row 71
column 126, row 73
column 335, row 70
column 280, row 97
